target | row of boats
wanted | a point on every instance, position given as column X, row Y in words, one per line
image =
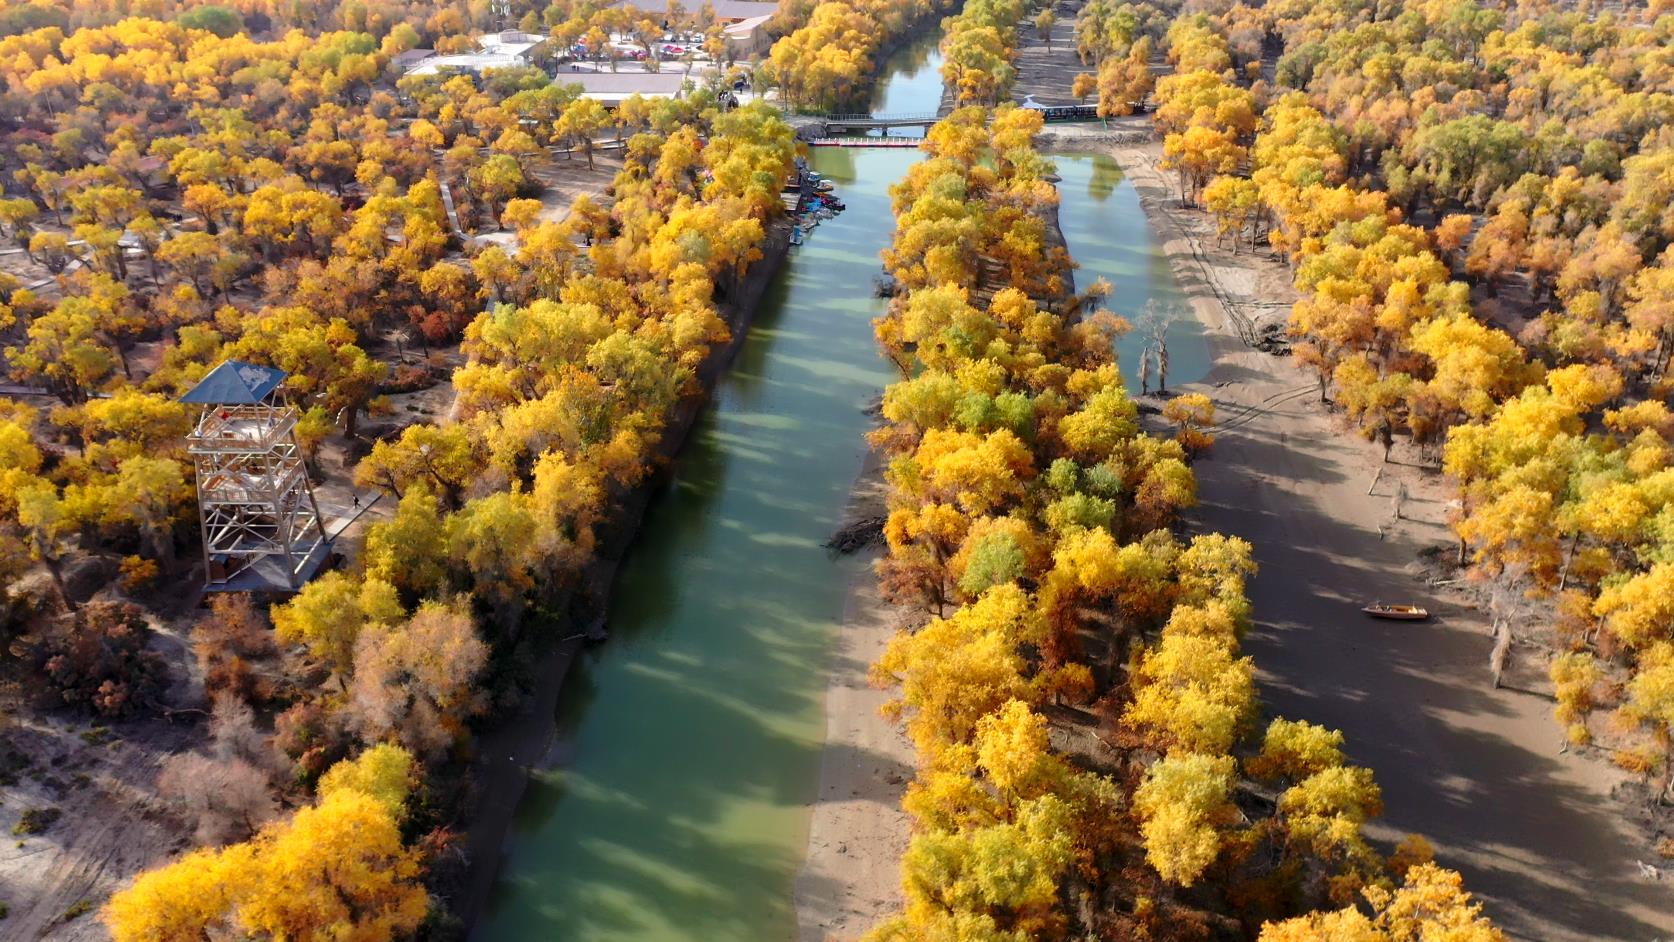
column 816, row 201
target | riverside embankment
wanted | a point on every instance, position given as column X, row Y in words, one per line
column 523, row 742
column 673, row 772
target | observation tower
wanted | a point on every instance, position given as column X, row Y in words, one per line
column 262, row 530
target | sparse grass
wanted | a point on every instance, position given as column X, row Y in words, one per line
column 78, row 909
column 35, row 820
column 97, row 736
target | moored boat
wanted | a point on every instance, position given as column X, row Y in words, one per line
column 1396, row 612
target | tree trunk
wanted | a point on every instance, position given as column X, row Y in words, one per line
column 163, row 545
column 53, row 569
column 1569, row 557
column 1501, row 653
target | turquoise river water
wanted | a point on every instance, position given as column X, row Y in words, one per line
column 691, row 738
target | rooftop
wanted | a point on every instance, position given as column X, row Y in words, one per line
column 618, row 85
column 743, row 27
column 503, row 50
column 509, row 42
column 412, row 57
column 235, row 382
column 475, row 62
column 724, row 9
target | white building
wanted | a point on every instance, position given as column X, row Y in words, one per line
column 503, row 50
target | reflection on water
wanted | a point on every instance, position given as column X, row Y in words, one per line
column 693, row 735
column 915, row 84
column 1102, row 181
column 1109, row 238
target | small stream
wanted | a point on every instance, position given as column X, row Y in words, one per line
column 689, row 742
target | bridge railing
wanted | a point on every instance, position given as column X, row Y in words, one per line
column 1050, row 113
column 882, row 118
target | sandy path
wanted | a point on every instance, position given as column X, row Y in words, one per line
column 1477, row 771
column 858, row 832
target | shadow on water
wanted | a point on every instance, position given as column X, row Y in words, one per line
column 691, row 739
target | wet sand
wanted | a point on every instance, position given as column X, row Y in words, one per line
column 857, row 832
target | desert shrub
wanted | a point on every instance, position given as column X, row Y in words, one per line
column 94, row 658
column 311, row 737
column 409, row 377
column 78, row 909
column 138, row 573
column 36, row 820
column 227, row 641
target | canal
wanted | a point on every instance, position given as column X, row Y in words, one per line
column 689, row 742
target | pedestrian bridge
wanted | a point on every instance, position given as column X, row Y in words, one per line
column 833, row 125
column 868, row 122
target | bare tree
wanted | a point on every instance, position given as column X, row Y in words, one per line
column 1501, row 654
column 232, row 727
column 1508, row 606
column 418, row 681
column 226, row 799
column 1153, row 323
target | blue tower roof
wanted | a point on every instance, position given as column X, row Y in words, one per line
column 237, row 383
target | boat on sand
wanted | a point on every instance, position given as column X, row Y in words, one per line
column 1396, row 612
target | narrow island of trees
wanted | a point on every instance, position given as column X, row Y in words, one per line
column 1089, row 761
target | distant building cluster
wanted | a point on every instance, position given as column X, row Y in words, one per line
column 503, row 50
column 743, row 21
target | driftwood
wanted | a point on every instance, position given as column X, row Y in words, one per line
column 169, row 713
column 856, row 535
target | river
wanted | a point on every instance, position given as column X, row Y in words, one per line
column 689, row 742
column 1107, row 234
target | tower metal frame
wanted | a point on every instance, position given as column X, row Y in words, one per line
column 255, row 501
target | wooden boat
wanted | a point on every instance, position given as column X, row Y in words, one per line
column 1396, row 612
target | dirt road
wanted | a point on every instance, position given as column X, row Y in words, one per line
column 1476, row 771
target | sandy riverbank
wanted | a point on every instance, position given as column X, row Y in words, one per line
column 857, row 832
column 1478, row 771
